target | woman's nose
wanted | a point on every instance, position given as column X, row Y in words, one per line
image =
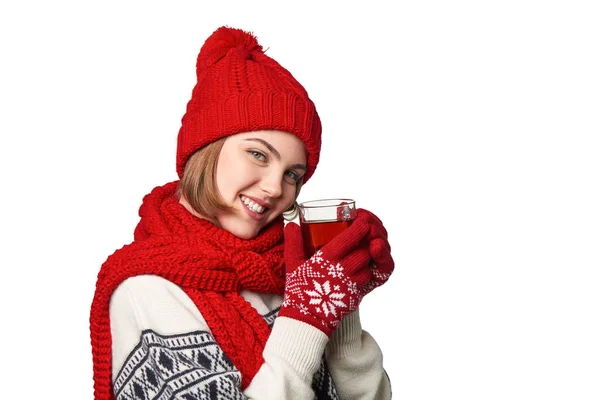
column 271, row 184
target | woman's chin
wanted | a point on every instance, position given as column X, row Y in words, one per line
column 246, row 234
column 240, row 228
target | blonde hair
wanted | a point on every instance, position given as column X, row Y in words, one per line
column 198, row 184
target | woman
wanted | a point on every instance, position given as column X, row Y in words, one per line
column 213, row 299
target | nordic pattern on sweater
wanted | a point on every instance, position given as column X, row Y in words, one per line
column 188, row 366
column 192, row 367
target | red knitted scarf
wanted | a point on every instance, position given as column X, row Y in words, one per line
column 210, row 264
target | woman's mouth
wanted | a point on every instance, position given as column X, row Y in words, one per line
column 252, row 206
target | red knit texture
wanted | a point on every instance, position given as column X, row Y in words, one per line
column 210, row 264
column 240, row 89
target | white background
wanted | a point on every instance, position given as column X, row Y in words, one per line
column 470, row 127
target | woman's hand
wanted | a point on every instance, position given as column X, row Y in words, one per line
column 331, row 283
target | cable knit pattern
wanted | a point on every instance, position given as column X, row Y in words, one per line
column 210, row 264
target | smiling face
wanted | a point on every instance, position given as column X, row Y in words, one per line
column 257, row 175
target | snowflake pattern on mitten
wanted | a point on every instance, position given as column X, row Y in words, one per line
column 322, row 292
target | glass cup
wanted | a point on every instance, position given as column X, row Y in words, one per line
column 322, row 220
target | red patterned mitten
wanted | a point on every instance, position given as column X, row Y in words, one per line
column 323, row 289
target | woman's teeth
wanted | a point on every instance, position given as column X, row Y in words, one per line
column 252, row 206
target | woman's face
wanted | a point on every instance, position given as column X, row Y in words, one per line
column 257, row 174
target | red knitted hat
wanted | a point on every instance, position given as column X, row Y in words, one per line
column 240, row 89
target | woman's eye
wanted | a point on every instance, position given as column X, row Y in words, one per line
column 258, row 155
column 294, row 176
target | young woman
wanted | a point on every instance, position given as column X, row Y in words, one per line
column 214, row 299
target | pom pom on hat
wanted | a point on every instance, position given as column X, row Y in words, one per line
column 241, row 89
column 223, row 40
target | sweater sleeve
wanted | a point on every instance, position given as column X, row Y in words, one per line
column 292, row 356
column 162, row 344
column 355, row 362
